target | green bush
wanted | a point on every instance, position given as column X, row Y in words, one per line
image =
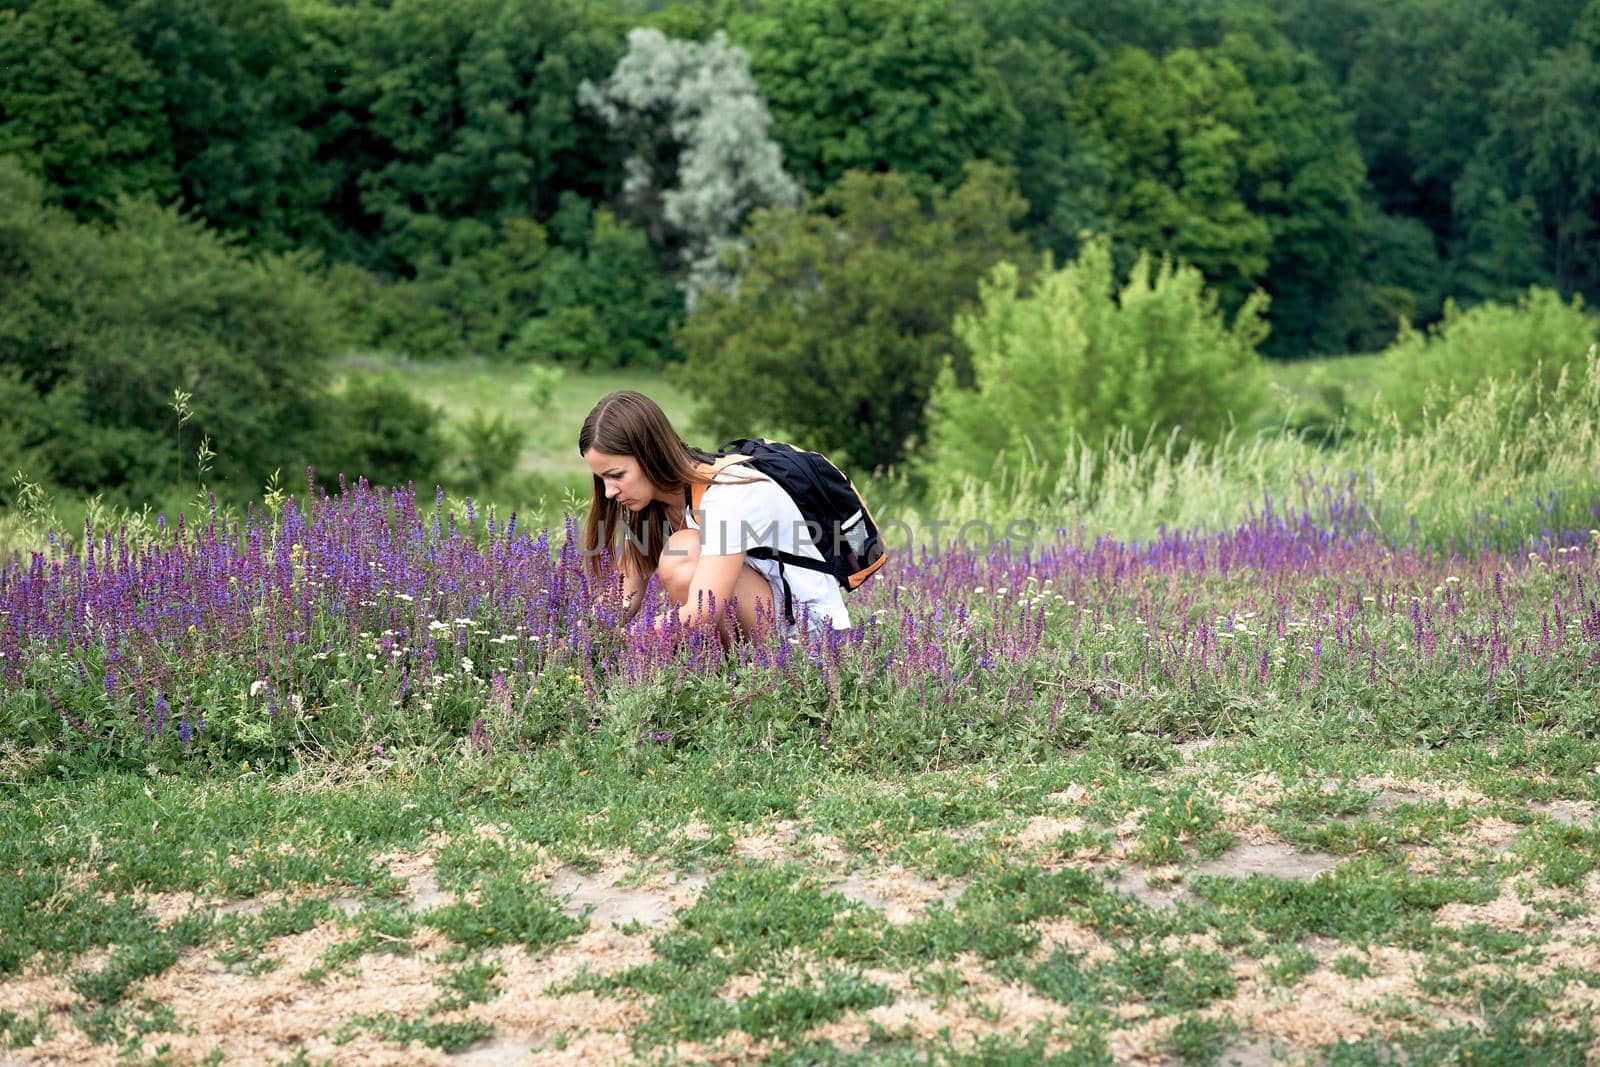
column 468, row 297
column 603, row 300
column 80, row 107
column 594, row 299
column 841, row 315
column 492, row 449
column 1079, row 360
column 1533, row 340
column 101, row 329
column 377, row 430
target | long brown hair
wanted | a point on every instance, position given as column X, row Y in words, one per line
column 626, row 423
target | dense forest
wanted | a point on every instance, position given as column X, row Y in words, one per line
column 568, row 182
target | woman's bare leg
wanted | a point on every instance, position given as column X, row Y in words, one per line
column 752, row 594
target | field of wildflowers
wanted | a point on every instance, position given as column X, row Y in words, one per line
column 363, row 620
column 360, row 777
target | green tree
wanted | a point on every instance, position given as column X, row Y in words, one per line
column 1538, row 338
column 841, row 316
column 1395, row 276
column 1307, row 186
column 1079, row 359
column 701, row 158
column 80, row 107
column 876, row 85
column 1238, row 161
column 1040, row 53
column 99, row 329
column 1543, row 150
column 460, row 116
column 237, row 87
column 602, row 269
column 1185, row 136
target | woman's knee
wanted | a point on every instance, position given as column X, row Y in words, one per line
column 678, row 560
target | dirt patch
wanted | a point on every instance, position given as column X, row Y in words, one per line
column 902, row 896
column 1570, row 812
column 984, row 1006
column 499, row 1050
column 609, row 902
column 1161, row 888
column 1278, row 861
column 772, row 843
column 1492, row 833
column 593, row 1029
column 1398, row 790
column 1072, row 796
column 785, row 841
column 1323, row 1007
column 1157, row 894
column 1253, row 1053
column 268, row 1018
column 1061, row 932
column 1242, row 806
column 1043, row 830
column 34, row 989
column 692, row 831
column 1505, row 912
column 1189, row 750
column 251, row 905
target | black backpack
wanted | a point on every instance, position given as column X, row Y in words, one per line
column 841, row 524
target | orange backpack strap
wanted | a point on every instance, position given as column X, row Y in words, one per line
column 697, row 490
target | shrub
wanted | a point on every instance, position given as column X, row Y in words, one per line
column 493, row 447
column 99, row 329
column 1533, row 339
column 1482, row 473
column 595, row 298
column 1078, row 359
column 840, row 318
column 376, row 429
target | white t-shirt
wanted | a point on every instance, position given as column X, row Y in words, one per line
column 741, row 514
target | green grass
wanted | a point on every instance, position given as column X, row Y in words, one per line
column 780, row 929
column 462, row 388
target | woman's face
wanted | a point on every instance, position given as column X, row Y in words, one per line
column 623, row 480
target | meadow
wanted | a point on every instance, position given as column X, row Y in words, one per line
column 1277, row 750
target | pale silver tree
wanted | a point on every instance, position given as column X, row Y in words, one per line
column 702, row 157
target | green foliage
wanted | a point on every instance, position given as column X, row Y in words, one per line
column 80, row 106
column 877, row 85
column 603, row 301
column 1396, row 276
column 841, row 318
column 1543, row 149
column 239, row 89
column 492, row 448
column 377, row 429
column 596, row 299
column 468, row 300
column 451, row 119
column 445, row 1036
column 98, row 330
column 1223, row 159
column 1306, row 182
column 1041, row 52
column 1474, row 121
column 701, row 158
column 511, row 911
column 1455, row 475
column 1079, row 359
column 1538, row 339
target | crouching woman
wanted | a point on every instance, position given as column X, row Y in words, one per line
column 646, row 479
